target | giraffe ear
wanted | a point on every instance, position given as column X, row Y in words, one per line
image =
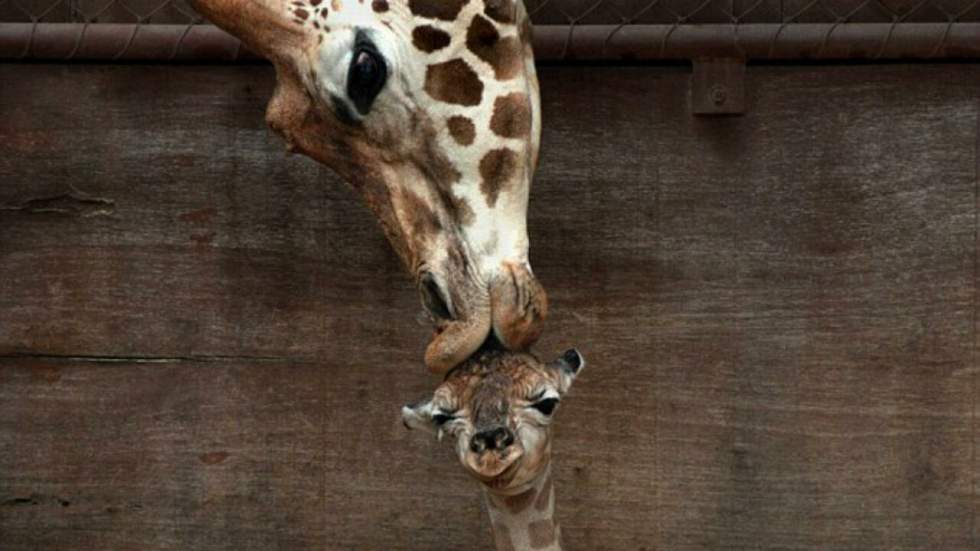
column 567, row 367
column 267, row 27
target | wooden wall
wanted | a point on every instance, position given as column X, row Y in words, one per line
column 204, row 343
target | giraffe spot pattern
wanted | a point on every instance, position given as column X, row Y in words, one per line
column 308, row 12
column 541, row 533
column 447, row 10
column 497, row 169
column 501, row 11
column 504, row 55
column 511, row 116
column 379, row 6
column 462, row 130
column 430, row 39
column 454, row 82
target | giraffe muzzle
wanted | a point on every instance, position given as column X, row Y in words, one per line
column 499, row 438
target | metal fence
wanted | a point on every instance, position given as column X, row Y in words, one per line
column 565, row 29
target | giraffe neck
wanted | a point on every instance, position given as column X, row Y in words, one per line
column 526, row 521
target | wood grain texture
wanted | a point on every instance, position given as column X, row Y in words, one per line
column 206, row 343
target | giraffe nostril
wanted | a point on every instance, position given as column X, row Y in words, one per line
column 493, row 439
column 504, row 438
column 433, row 297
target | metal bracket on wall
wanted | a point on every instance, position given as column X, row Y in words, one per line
column 718, row 86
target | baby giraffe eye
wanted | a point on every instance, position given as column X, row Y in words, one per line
column 366, row 77
column 441, row 419
column 546, row 406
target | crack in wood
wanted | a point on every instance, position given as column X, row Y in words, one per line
column 71, row 203
column 34, row 499
column 153, row 359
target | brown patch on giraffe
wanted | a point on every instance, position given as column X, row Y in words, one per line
column 501, row 534
column 541, row 533
column 497, row 168
column 462, row 130
column 447, row 10
column 454, row 82
column 501, row 11
column 380, row 6
column 520, row 502
column 429, row 39
column 315, row 3
column 301, row 13
column 511, row 116
column 422, row 222
column 504, row 55
column 544, row 497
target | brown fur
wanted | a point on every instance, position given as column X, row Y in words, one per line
column 462, row 130
column 422, row 222
column 504, row 55
column 447, row 10
column 454, row 82
column 379, row 6
column 430, row 39
column 498, row 169
column 511, row 116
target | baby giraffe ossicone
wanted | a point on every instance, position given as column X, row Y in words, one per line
column 497, row 408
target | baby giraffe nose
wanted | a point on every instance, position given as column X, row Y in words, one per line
column 493, row 439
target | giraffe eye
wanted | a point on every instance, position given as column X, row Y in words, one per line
column 546, row 406
column 441, row 419
column 366, row 77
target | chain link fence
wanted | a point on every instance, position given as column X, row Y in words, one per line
column 565, row 29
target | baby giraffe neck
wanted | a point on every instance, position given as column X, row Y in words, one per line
column 526, row 522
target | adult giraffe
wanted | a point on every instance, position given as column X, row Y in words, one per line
column 430, row 109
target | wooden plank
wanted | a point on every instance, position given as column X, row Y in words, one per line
column 778, row 311
column 832, row 409
column 208, row 216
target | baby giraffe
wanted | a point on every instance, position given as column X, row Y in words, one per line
column 497, row 407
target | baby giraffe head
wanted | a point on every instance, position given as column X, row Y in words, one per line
column 497, row 408
column 429, row 109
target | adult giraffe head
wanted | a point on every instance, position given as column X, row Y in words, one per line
column 430, row 109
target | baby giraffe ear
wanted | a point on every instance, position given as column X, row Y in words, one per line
column 568, row 366
column 418, row 416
